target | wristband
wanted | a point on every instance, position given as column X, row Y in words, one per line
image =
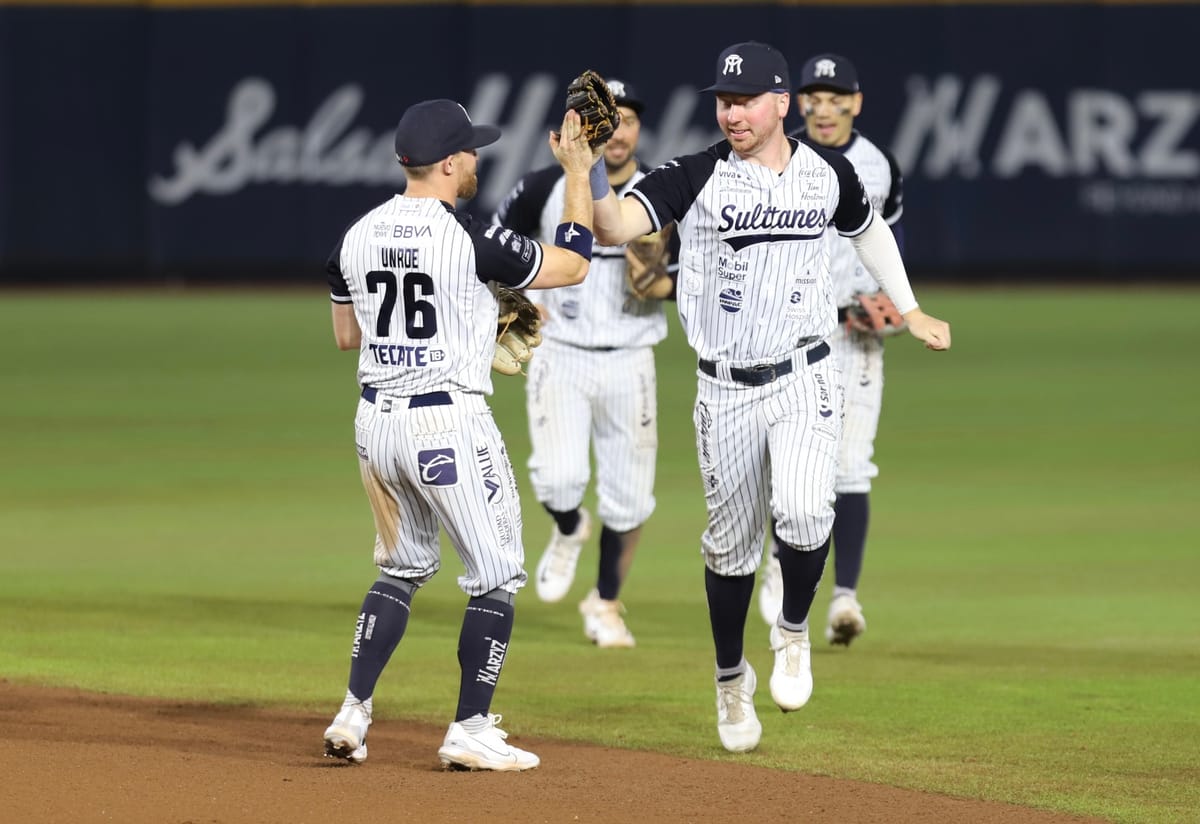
column 598, row 179
column 574, row 237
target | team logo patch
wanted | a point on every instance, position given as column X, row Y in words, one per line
column 730, row 300
column 438, row 467
column 570, row 309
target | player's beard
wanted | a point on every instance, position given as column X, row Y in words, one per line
column 622, row 152
column 468, row 186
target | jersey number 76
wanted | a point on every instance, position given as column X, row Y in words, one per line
column 420, row 316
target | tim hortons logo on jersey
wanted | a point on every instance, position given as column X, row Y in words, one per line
column 1130, row 151
column 438, row 467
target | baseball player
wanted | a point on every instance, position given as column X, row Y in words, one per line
column 756, row 300
column 829, row 99
column 414, row 290
column 592, row 382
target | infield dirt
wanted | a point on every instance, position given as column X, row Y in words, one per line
column 71, row 756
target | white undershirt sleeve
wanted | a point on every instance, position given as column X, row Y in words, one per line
column 876, row 247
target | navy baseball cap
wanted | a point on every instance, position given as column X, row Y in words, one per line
column 751, row 68
column 434, row 129
column 828, row 72
column 625, row 95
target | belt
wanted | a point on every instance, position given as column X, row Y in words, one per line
column 766, row 372
column 369, row 393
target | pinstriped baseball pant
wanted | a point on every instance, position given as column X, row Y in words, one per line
column 767, row 450
column 441, row 464
column 576, row 397
column 861, row 359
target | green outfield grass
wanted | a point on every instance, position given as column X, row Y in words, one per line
column 181, row 516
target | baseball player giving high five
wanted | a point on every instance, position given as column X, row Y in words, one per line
column 756, row 301
column 829, row 99
column 593, row 381
column 414, row 289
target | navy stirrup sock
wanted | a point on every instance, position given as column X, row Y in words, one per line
column 728, row 603
column 482, row 646
column 381, row 624
column 852, row 513
column 801, row 576
column 567, row 522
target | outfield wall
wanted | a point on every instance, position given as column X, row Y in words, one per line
column 167, row 139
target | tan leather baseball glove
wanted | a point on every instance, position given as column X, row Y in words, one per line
column 646, row 260
column 517, row 331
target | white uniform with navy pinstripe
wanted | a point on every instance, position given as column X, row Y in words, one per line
column 861, row 355
column 420, row 276
column 756, row 300
column 593, row 378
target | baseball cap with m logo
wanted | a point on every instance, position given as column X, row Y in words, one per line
column 751, row 68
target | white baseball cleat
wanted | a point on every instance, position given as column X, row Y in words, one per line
column 737, row 723
column 770, row 589
column 556, row 569
column 791, row 680
column 484, row 750
column 602, row 622
column 846, row 621
column 346, row 737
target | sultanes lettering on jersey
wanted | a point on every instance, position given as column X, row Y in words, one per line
column 754, row 272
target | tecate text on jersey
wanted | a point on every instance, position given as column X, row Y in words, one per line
column 401, row 355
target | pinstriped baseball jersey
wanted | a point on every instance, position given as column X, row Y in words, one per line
column 880, row 176
column 418, row 275
column 600, row 312
column 754, row 279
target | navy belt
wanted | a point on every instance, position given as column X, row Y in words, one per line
column 369, row 393
column 767, row 372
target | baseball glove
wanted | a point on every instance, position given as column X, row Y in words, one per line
column 589, row 95
column 874, row 314
column 517, row 331
column 646, row 261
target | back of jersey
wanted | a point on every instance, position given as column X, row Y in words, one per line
column 428, row 322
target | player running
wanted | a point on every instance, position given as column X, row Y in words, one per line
column 756, row 301
column 829, row 99
column 593, row 382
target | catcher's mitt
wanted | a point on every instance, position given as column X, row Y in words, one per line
column 589, row 95
column 517, row 331
column 646, row 261
column 874, row 314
